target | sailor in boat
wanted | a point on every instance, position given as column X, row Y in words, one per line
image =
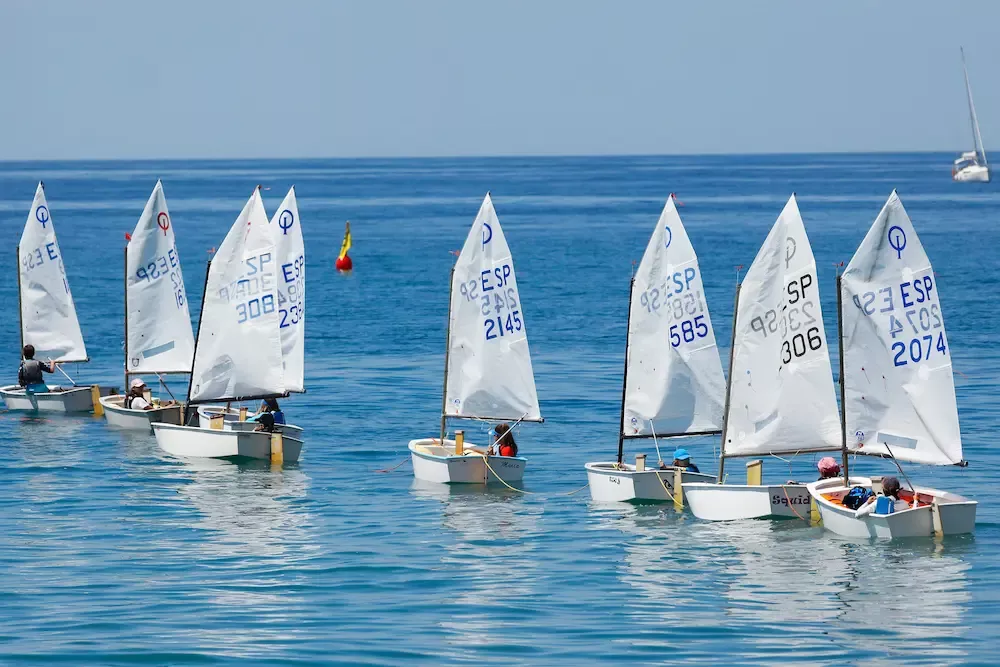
column 682, row 460
column 887, row 502
column 29, row 375
column 270, row 408
column 503, row 441
column 136, row 399
column 828, row 467
column 265, row 422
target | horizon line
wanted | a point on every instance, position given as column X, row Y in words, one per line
column 477, row 156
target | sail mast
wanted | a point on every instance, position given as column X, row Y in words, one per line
column 729, row 387
column 621, row 422
column 843, row 402
column 197, row 337
column 447, row 355
column 125, row 273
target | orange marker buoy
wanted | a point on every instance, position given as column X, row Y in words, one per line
column 344, row 262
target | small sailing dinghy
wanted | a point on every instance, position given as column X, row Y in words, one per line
column 158, row 336
column 237, row 352
column 896, row 385
column 48, row 316
column 673, row 384
column 780, row 398
column 971, row 166
column 291, row 291
column 488, row 373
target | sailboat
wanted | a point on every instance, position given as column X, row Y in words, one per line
column 971, row 166
column 672, row 385
column 780, row 399
column 237, row 351
column 487, row 374
column 158, row 336
column 48, row 316
column 896, row 386
column 291, row 290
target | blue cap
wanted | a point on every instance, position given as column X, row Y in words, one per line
column 681, row 454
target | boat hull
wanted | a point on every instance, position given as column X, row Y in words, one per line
column 972, row 174
column 433, row 462
column 958, row 514
column 74, row 399
column 138, row 420
column 194, row 442
column 608, row 483
column 732, row 502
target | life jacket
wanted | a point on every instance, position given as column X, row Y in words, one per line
column 507, row 450
column 885, row 505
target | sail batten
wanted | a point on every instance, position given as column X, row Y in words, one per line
column 898, row 383
column 238, row 351
column 782, row 397
column 159, row 336
column 48, row 315
column 674, row 381
column 291, row 290
column 489, row 367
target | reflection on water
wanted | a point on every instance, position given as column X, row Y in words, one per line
column 794, row 591
column 494, row 555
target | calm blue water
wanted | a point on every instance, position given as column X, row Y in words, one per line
column 112, row 553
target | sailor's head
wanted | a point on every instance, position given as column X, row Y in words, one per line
column 681, row 457
column 28, row 351
column 890, row 486
column 271, row 405
column 138, row 386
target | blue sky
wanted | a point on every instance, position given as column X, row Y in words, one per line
column 298, row 78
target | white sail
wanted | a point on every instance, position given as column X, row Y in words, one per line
column 489, row 368
column 238, row 351
column 976, row 137
column 48, row 316
column 782, row 397
column 291, row 258
column 897, row 363
column 673, row 376
column 159, row 337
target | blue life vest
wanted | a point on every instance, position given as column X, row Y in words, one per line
column 885, row 505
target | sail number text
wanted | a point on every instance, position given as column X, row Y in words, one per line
column 795, row 321
column 161, row 267
column 252, row 294
column 290, row 303
column 494, row 292
column 675, row 300
column 913, row 317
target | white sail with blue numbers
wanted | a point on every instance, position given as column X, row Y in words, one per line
column 159, row 336
column 291, row 289
column 900, row 393
column 489, row 367
column 674, row 380
column 781, row 392
column 48, row 315
column 238, row 353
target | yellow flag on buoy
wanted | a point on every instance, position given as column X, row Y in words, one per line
column 346, row 245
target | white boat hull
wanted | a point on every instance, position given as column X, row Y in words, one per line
column 731, row 502
column 433, row 462
column 972, row 174
column 958, row 514
column 608, row 483
column 138, row 420
column 73, row 399
column 191, row 441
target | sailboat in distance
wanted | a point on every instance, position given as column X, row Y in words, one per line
column 971, row 166
column 488, row 376
column 673, row 385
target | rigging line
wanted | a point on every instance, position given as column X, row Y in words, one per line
column 900, row 468
column 395, row 466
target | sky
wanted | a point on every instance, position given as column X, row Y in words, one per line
column 329, row 78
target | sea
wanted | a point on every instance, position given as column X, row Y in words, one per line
column 114, row 553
